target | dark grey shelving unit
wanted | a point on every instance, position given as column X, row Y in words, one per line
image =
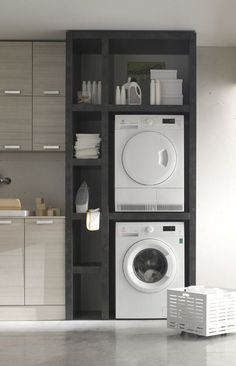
column 91, row 55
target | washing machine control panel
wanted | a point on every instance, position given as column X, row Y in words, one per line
column 150, row 229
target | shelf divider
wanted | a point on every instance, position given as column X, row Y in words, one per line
column 87, row 268
column 86, row 162
column 149, row 216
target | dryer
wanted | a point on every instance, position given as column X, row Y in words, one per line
column 149, row 163
column 149, row 260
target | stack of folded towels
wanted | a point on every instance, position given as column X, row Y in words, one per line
column 87, row 145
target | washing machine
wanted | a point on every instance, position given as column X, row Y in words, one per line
column 149, row 260
column 149, row 163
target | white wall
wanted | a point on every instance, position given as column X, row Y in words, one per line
column 216, row 166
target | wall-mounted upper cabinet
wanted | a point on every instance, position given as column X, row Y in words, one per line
column 48, row 124
column 15, row 68
column 15, row 123
column 49, row 68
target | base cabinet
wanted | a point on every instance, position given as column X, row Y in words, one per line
column 44, row 262
column 11, row 262
column 32, row 268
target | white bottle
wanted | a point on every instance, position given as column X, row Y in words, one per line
column 89, row 91
column 152, row 92
column 126, row 86
column 94, row 92
column 84, row 89
column 134, row 93
column 158, row 91
column 118, row 95
column 99, row 96
column 123, row 95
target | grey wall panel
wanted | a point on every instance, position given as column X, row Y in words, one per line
column 34, row 175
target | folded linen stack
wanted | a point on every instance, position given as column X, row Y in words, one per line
column 87, row 145
column 171, row 88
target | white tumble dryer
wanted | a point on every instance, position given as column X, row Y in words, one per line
column 149, row 163
column 149, row 260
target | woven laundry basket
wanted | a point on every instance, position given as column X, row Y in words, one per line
column 208, row 312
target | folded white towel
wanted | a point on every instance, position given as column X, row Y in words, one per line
column 84, row 151
column 87, row 136
column 87, row 157
column 85, row 146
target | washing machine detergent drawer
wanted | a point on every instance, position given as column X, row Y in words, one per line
column 149, row 199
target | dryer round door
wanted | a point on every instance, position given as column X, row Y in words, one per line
column 149, row 158
column 149, row 265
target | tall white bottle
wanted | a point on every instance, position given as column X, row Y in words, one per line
column 152, row 92
column 99, row 101
column 123, row 95
column 94, row 92
column 84, row 89
column 118, row 95
column 158, row 91
column 89, row 91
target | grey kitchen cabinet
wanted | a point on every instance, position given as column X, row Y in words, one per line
column 45, row 261
column 48, row 124
column 15, row 68
column 11, row 261
column 49, row 68
column 15, row 123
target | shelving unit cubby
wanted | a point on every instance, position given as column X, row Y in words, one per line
column 103, row 55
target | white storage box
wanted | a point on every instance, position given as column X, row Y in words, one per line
column 171, row 87
column 163, row 74
column 205, row 314
column 170, row 100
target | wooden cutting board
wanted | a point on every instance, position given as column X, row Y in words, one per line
column 10, row 204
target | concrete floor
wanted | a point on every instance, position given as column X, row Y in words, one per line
column 119, row 343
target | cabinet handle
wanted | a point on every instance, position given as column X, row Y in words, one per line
column 14, row 92
column 51, row 147
column 51, row 92
column 5, row 222
column 12, row 147
column 44, row 222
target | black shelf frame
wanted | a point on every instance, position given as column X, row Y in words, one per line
column 106, row 44
column 86, row 162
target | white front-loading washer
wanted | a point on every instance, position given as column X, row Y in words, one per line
column 149, row 163
column 149, row 260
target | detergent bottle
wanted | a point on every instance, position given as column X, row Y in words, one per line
column 134, row 93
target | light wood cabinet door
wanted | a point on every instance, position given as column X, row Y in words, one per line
column 49, row 124
column 15, row 68
column 45, row 261
column 11, row 261
column 15, row 123
column 49, row 68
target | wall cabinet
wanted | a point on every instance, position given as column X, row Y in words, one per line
column 29, row 72
column 48, row 123
column 15, row 68
column 12, row 262
column 15, row 123
column 44, row 262
column 49, row 68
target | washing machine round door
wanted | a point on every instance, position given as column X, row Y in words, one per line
column 149, row 158
column 149, row 265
